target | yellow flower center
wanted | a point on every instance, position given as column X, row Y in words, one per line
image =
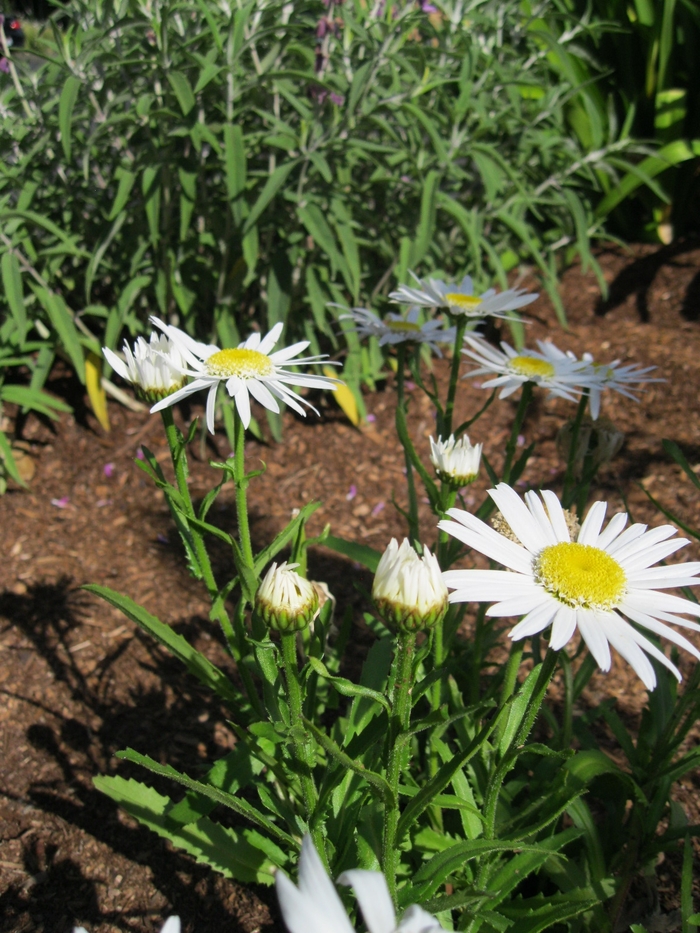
column 530, row 366
column 402, row 325
column 246, row 364
column 580, row 575
column 465, row 303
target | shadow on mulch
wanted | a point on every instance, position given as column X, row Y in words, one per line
column 167, row 721
column 174, row 722
column 637, row 277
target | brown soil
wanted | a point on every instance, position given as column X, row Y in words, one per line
column 79, row 682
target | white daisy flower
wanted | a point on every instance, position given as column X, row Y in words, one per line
column 396, row 328
column 612, row 376
column 456, row 462
column 587, row 584
column 408, row 590
column 249, row 369
column 548, row 367
column 285, row 601
column 460, row 298
column 154, row 368
column 315, row 907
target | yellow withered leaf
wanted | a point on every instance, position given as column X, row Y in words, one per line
column 96, row 394
column 344, row 398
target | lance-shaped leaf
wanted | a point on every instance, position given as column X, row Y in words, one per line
column 196, row 663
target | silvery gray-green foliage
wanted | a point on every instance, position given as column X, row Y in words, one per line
column 232, row 163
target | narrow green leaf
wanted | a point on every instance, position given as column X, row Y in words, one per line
column 183, row 91
column 360, row 553
column 195, row 662
column 272, row 186
column 126, row 183
column 62, row 322
column 346, row 687
column 12, row 284
column 376, row 781
column 238, row 805
column 66, row 104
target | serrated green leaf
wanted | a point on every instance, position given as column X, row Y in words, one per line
column 227, row 851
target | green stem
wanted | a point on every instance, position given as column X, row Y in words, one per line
column 525, row 397
column 402, row 678
column 413, row 532
column 178, row 455
column 446, row 426
column 511, row 674
column 241, row 492
column 219, row 613
column 301, row 741
column 569, row 480
column 526, row 723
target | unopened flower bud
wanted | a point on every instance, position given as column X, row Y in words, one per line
column 455, row 462
column 408, row 590
column 285, row 601
column 155, row 369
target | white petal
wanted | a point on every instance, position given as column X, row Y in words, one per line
column 625, row 539
column 534, row 504
column 650, row 601
column 519, row 517
column 373, row 896
column 592, row 524
column 417, row 920
column 518, row 605
column 178, row 396
column 281, row 356
column 615, row 527
column 171, row 925
column 625, row 645
column 491, row 583
column 315, row 884
column 211, row 407
column 477, row 534
column 651, row 555
column 300, row 912
column 262, row 394
column 117, row 364
column 271, row 339
column 536, row 620
column 563, row 628
column 591, row 625
column 665, row 630
column 243, row 404
column 556, row 515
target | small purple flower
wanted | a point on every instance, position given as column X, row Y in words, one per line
column 140, row 454
column 371, row 418
column 410, row 386
column 162, row 539
column 61, row 503
column 521, row 440
column 101, row 503
column 428, row 7
column 352, row 492
column 108, row 469
column 377, row 509
column 337, row 99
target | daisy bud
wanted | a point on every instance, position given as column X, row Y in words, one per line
column 455, row 462
column 154, row 369
column 408, row 590
column 285, row 601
